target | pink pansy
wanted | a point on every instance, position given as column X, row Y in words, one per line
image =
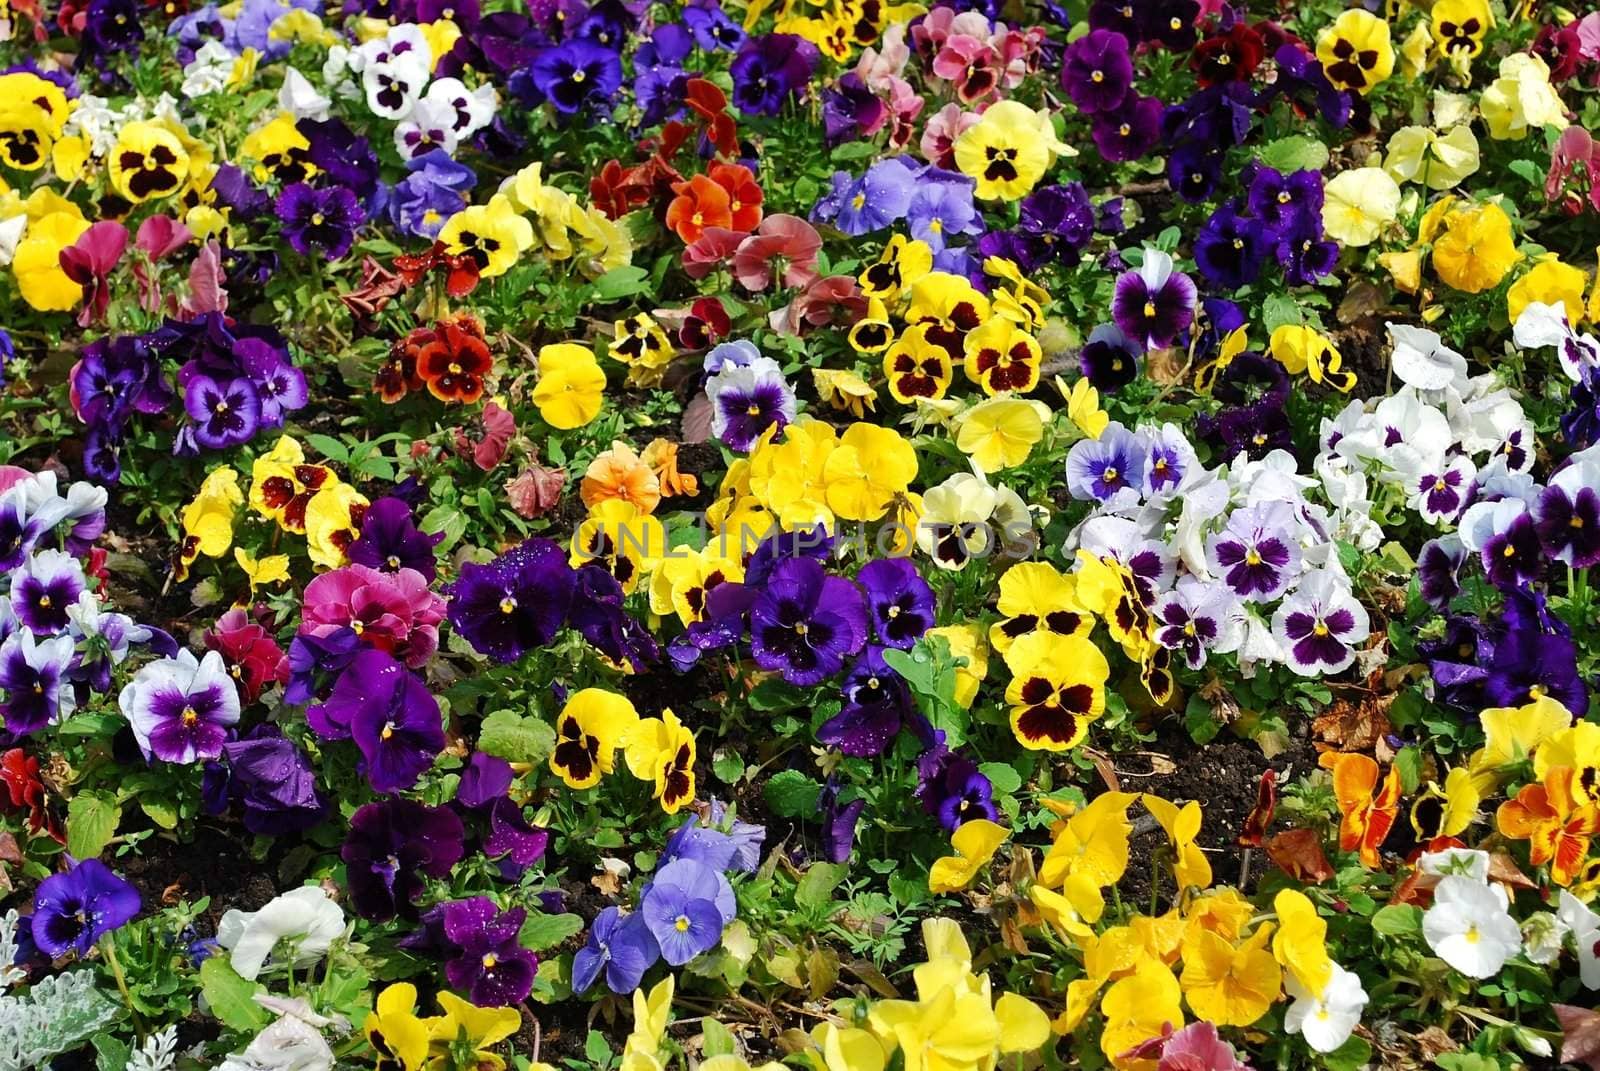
column 536, row 491
column 970, row 64
column 939, row 136
column 782, row 250
column 1589, row 36
column 1018, row 51
column 89, row 262
column 878, row 67
column 498, row 428
column 1197, row 1047
column 710, row 251
column 941, row 23
column 395, row 612
column 835, row 300
column 207, row 292
column 1575, row 157
column 158, row 238
column 905, row 104
column 10, row 476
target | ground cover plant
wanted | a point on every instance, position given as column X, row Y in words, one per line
column 835, row 534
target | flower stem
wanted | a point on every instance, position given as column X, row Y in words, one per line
column 109, row 949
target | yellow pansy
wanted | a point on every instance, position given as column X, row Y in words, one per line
column 975, row 843
column 661, row 750
column 441, row 35
column 621, row 538
column 1459, row 27
column 641, row 344
column 1356, row 51
column 1137, row 1008
column 948, row 1030
column 1304, row 349
column 1552, row 282
column 1447, row 811
column 1008, row 150
column 1035, row 597
column 1000, row 433
column 1182, row 826
column 650, row 1014
column 788, row 477
column 1070, row 911
column 148, row 161
column 687, row 576
column 1300, row 944
column 592, row 725
column 1512, row 735
column 844, row 1048
column 1521, row 99
column 1577, row 746
column 1439, row 161
column 1358, row 204
column 69, row 157
column 395, row 1033
column 1083, row 407
column 330, row 524
column 492, row 234
column 272, row 569
column 901, row 264
column 281, row 153
column 571, row 385
column 1476, row 249
column 1416, row 52
column 1093, row 843
column 208, row 519
column 37, row 261
column 1023, row 1024
column 477, row 1029
column 966, row 642
column 866, row 471
column 845, row 391
column 1227, row 984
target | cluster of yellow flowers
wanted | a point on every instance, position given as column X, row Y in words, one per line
column 1234, row 965
column 301, row 498
column 528, row 215
column 596, row 722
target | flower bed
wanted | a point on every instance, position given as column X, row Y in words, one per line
column 834, row 534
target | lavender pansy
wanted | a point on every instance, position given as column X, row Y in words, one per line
column 180, row 709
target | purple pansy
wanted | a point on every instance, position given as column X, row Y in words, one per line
column 1097, row 71
column 748, row 399
column 619, row 946
column 1108, row 470
column 1567, row 515
column 490, row 966
column 319, row 222
column 804, row 623
column 1440, row 494
column 225, row 412
column 33, row 676
column 901, row 602
column 517, row 602
column 1438, row 570
column 71, row 911
column 1155, row 304
column 390, row 540
column 952, row 788
column 1196, row 618
column 392, row 847
column 686, row 908
column 391, row 715
column 44, row 589
column 876, row 704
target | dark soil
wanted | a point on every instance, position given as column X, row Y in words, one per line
column 1223, row 775
column 215, row 862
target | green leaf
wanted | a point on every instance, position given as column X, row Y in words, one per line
column 1280, row 309
column 596, row 1048
column 447, row 519
column 717, row 1041
column 791, row 794
column 543, row 931
column 1409, row 762
column 329, row 447
column 91, row 823
column 1296, row 153
column 727, row 765
column 1398, row 920
column 111, row 1054
column 816, row 888
column 515, row 738
column 162, row 810
column 231, row 997
column 1002, row 776
column 1350, row 1056
column 621, row 282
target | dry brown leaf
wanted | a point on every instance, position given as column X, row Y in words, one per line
column 1580, row 1035
column 1354, row 724
column 1298, row 852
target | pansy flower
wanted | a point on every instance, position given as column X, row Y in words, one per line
column 1036, row 597
column 73, row 910
column 1154, row 304
column 282, row 484
column 515, row 603
column 33, row 675
column 592, row 725
column 662, row 751
column 1197, row 618
column 44, row 589
column 180, row 709
column 1257, row 553
column 877, row 703
column 1108, row 470
column 900, row 602
column 747, row 401
column 1000, row 356
column 392, row 848
column 1567, row 515
column 1558, row 817
column 1320, row 625
column 804, row 623
column 490, row 964
column 492, row 234
column 390, row 714
column 1356, row 52
column 452, row 358
column 147, row 161
column 619, row 947
column 1057, row 689
column 1367, row 809
column 917, row 367
column 1439, row 495
column 319, row 222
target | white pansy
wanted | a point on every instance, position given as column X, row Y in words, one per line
column 1470, row 928
column 209, row 70
column 304, row 919
column 1421, row 359
column 300, row 98
column 1585, row 927
column 1326, row 1019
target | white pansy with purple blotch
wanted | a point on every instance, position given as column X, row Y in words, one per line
column 44, row 589
column 1320, row 624
column 1257, row 554
column 1108, row 470
column 180, row 708
column 1440, row 492
column 1197, row 617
